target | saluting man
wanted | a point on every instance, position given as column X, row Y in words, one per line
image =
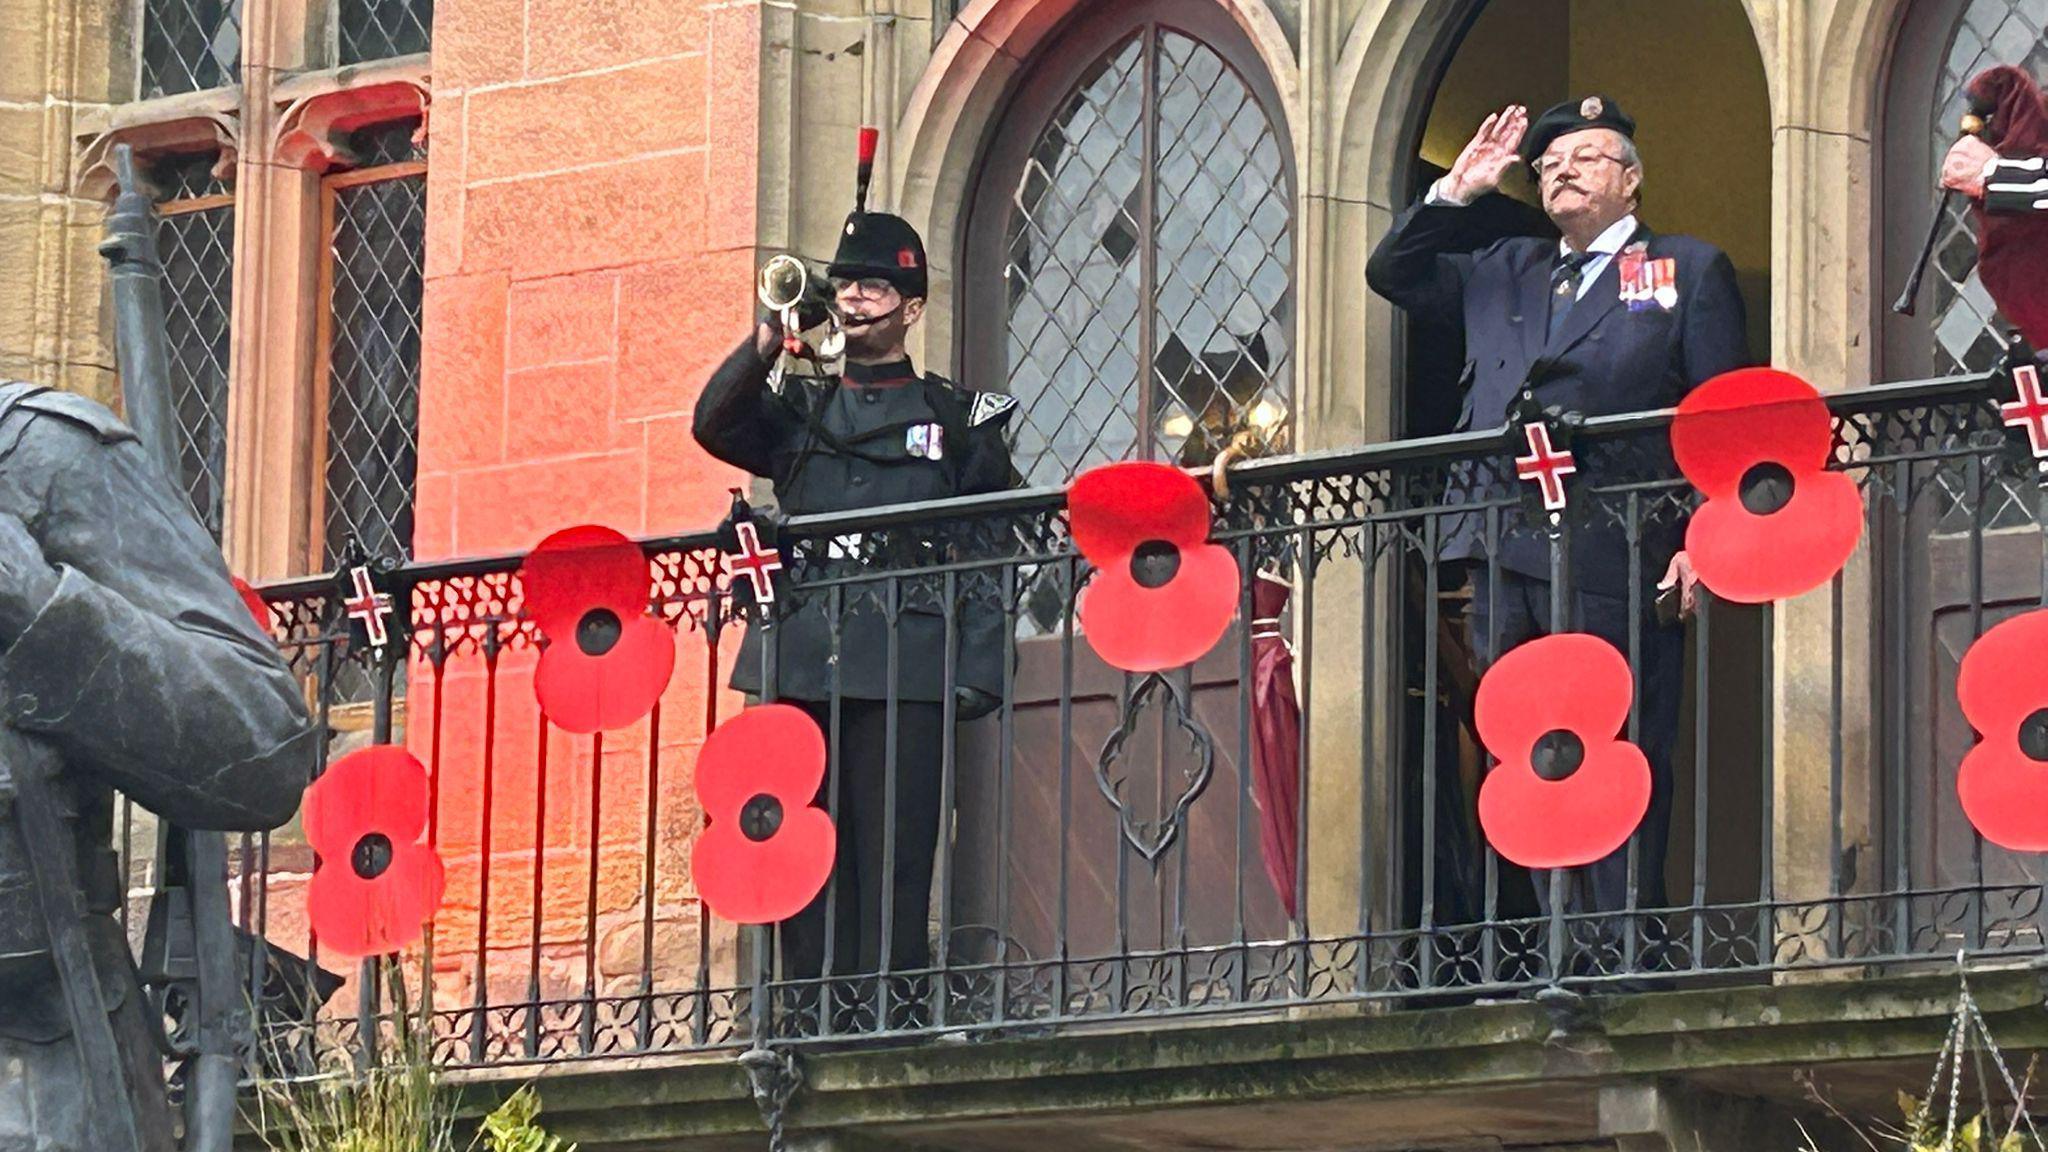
column 1611, row 318
column 883, row 433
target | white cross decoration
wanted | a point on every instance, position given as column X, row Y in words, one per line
column 753, row 562
column 2030, row 411
column 368, row 605
column 1545, row 465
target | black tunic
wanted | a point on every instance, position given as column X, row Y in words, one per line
column 883, row 435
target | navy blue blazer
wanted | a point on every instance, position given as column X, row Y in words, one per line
column 1606, row 359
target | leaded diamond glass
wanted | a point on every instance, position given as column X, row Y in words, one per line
column 381, row 29
column 374, row 366
column 392, row 143
column 1217, row 254
column 190, row 45
column 197, row 247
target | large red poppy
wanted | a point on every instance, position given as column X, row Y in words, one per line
column 1775, row 522
column 375, row 885
column 1162, row 594
column 606, row 661
column 2003, row 782
column 1566, row 792
column 765, row 851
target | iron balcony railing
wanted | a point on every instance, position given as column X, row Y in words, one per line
column 1100, row 857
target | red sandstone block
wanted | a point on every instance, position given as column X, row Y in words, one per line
column 477, row 42
column 577, row 121
column 677, row 320
column 687, row 488
column 444, row 188
column 562, row 319
column 617, row 214
column 433, row 516
column 513, row 508
column 561, row 410
column 462, row 372
column 576, row 35
column 733, row 162
column 564, row 896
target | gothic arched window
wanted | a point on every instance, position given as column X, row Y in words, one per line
column 1939, row 47
column 1130, row 247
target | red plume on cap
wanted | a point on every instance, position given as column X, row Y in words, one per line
column 869, row 137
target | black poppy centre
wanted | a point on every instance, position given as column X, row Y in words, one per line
column 598, row 631
column 1154, row 563
column 1766, row 488
column 2034, row 736
column 760, row 817
column 371, row 856
column 1557, row 754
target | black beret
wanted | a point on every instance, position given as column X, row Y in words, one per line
column 1574, row 116
column 880, row 245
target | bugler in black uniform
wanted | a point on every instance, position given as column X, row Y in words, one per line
column 881, row 434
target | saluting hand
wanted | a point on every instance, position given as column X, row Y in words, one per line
column 1481, row 166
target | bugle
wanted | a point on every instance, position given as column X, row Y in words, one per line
column 789, row 288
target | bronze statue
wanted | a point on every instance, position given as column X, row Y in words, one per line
column 127, row 662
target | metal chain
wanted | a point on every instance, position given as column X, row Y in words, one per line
column 1967, row 1028
column 1955, row 1027
column 2021, row 1113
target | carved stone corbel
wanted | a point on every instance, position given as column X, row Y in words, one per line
column 313, row 126
column 204, row 127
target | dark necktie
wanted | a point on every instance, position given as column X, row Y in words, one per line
column 1564, row 286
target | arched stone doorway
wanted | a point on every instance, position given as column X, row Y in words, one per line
column 1692, row 78
column 1126, row 266
column 1694, row 81
column 1963, row 552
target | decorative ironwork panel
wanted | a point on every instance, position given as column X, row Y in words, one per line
column 197, row 247
column 190, row 45
column 381, row 29
column 374, row 365
column 1964, row 322
column 1198, row 216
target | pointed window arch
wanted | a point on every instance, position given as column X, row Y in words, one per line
column 1130, row 246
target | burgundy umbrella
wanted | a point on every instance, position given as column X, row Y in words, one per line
column 1276, row 731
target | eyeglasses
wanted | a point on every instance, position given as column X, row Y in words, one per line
column 870, row 286
column 1549, row 166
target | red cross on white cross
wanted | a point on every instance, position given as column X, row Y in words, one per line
column 368, row 605
column 2030, row 411
column 1545, row 465
column 753, row 562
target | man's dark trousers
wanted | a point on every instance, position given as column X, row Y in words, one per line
column 1509, row 608
column 862, row 873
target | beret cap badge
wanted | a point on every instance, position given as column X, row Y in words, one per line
column 1591, row 107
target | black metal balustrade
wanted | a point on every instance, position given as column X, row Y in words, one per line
column 1102, row 858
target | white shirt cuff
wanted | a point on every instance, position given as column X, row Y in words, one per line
column 1435, row 197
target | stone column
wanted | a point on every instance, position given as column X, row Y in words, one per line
column 1824, row 61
